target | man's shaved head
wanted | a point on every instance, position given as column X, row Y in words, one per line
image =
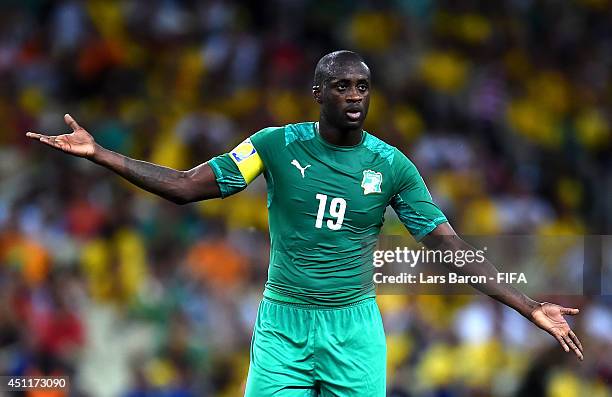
column 331, row 64
column 342, row 90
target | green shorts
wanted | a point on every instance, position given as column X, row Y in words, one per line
column 307, row 351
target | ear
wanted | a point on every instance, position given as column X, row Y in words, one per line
column 316, row 93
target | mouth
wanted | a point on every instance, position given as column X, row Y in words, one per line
column 353, row 114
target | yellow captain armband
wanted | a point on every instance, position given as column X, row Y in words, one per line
column 247, row 159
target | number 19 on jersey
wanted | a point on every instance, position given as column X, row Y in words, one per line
column 337, row 208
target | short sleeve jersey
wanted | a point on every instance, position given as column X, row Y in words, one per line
column 326, row 207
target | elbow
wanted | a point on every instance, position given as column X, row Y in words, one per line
column 182, row 197
column 182, row 193
column 180, row 200
column 191, row 188
column 175, row 199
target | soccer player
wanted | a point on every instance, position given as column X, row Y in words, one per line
column 318, row 330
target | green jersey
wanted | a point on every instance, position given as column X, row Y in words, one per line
column 326, row 207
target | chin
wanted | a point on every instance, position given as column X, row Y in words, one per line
column 352, row 125
column 343, row 123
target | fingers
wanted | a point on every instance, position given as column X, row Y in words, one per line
column 569, row 311
column 573, row 346
column 576, row 340
column 49, row 140
column 39, row 137
column 71, row 122
column 570, row 341
column 562, row 342
column 33, row 135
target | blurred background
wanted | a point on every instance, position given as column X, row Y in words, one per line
column 505, row 107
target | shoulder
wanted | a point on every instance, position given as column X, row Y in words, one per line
column 402, row 168
column 299, row 132
column 267, row 133
column 284, row 135
column 381, row 148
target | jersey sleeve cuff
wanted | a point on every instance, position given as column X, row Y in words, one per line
column 218, row 176
column 229, row 181
column 428, row 228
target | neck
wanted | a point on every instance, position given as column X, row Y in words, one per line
column 337, row 136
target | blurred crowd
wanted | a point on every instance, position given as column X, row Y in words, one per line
column 505, row 107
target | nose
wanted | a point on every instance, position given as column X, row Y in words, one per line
column 353, row 95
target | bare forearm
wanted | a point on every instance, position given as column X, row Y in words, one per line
column 166, row 182
column 199, row 183
column 547, row 316
column 501, row 292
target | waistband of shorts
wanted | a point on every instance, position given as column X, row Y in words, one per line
column 306, row 306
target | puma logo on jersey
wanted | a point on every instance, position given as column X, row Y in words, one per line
column 299, row 167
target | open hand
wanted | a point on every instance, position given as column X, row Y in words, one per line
column 79, row 142
column 549, row 317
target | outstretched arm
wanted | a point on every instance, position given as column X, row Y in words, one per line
column 180, row 187
column 547, row 316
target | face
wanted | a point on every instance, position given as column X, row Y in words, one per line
column 345, row 97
